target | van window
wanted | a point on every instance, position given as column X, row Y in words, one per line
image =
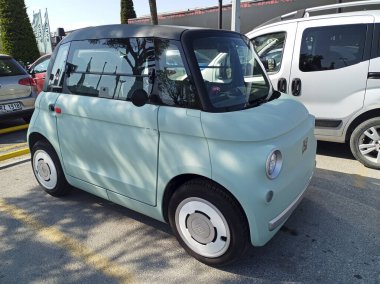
column 56, row 75
column 174, row 86
column 270, row 48
column 110, row 68
column 332, row 47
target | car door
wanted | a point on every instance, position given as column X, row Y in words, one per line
column 105, row 140
column 330, row 67
column 274, row 45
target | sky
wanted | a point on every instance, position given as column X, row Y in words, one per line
column 75, row 14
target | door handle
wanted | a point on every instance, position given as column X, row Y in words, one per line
column 55, row 109
column 296, row 87
column 282, row 85
column 51, row 107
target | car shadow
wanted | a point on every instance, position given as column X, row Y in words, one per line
column 338, row 150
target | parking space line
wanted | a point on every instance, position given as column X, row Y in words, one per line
column 14, row 154
column 14, row 128
column 76, row 249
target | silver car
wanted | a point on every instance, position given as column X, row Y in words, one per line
column 17, row 90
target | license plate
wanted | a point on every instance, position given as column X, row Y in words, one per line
column 10, row 107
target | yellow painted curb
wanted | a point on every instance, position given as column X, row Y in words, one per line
column 13, row 146
column 14, row 128
column 14, row 154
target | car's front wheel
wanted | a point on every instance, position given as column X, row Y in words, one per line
column 208, row 222
column 47, row 169
column 365, row 143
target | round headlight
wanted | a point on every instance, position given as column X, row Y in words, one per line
column 274, row 164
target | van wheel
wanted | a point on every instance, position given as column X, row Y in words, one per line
column 47, row 169
column 365, row 143
column 208, row 223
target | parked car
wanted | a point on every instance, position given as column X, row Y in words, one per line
column 129, row 114
column 17, row 90
column 38, row 70
column 331, row 63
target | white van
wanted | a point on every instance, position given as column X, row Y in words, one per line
column 331, row 63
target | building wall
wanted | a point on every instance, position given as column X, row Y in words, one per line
column 253, row 14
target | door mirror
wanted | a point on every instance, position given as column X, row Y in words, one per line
column 269, row 64
column 139, row 97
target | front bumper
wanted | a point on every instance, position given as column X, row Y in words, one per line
column 284, row 215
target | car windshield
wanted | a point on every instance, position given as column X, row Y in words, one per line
column 231, row 72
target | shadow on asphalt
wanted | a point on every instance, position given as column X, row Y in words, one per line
column 338, row 150
column 333, row 236
column 11, row 122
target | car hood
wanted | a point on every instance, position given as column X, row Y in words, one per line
column 267, row 121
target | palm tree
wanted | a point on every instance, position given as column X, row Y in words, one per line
column 153, row 12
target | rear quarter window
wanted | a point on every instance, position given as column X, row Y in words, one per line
column 9, row 67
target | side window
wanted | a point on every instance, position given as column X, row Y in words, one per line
column 270, row 49
column 56, row 74
column 110, row 68
column 42, row 66
column 174, row 86
column 332, row 47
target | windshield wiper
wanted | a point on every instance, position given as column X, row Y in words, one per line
column 257, row 102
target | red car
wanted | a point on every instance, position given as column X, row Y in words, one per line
column 38, row 71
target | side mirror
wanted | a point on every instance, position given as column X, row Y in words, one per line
column 269, row 64
column 139, row 97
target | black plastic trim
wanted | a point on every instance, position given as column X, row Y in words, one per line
column 327, row 123
column 374, row 75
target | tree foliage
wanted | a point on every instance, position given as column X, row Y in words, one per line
column 16, row 33
column 127, row 11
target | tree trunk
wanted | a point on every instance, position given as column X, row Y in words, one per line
column 153, row 12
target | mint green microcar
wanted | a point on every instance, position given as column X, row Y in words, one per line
column 180, row 124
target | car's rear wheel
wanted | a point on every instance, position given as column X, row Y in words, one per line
column 47, row 169
column 365, row 143
column 208, row 222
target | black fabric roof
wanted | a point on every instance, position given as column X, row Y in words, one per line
column 123, row 31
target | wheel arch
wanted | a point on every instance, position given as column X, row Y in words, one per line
column 177, row 181
column 358, row 120
column 35, row 137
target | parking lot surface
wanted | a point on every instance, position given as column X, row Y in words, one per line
column 332, row 237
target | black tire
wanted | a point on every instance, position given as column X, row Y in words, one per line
column 206, row 192
column 358, row 137
column 48, row 170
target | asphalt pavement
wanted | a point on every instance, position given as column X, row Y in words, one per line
column 332, row 237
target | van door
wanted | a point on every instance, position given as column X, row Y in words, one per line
column 329, row 69
column 105, row 140
column 274, row 46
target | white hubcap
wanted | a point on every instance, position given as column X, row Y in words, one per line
column 44, row 169
column 369, row 144
column 202, row 227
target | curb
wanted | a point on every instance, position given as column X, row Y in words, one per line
column 14, row 154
